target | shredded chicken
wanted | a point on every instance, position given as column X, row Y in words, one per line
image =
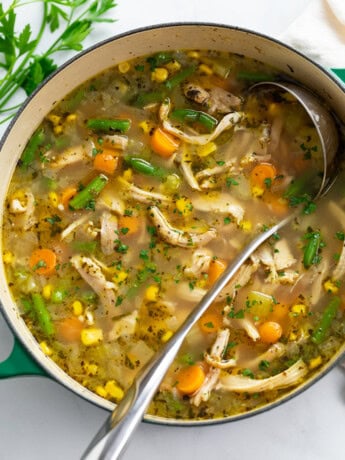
column 74, row 225
column 201, row 259
column 242, row 323
column 222, row 101
column 22, row 210
column 108, row 229
column 240, row 280
column 143, row 196
column 117, row 141
column 282, row 256
column 176, row 236
column 227, row 122
column 124, row 326
column 92, row 274
column 222, row 203
column 186, row 168
column 275, row 351
column 69, row 157
column 239, row 383
column 227, row 167
column 184, row 291
column 217, row 351
column 214, row 358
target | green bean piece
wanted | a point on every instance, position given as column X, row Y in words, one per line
column 144, row 99
column 311, row 250
column 254, row 76
column 325, row 322
column 108, row 125
column 189, row 115
column 144, row 167
column 42, row 314
column 30, row 150
column 178, row 78
column 159, row 59
column 85, row 198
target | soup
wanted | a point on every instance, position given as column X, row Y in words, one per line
column 129, row 201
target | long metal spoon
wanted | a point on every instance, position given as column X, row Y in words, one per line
column 113, row 437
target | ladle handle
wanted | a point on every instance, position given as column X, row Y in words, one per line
column 112, row 439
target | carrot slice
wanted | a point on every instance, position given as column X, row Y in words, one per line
column 210, row 322
column 262, row 173
column 190, row 379
column 216, row 268
column 43, row 261
column 107, row 161
column 67, row 195
column 270, row 331
column 163, row 143
column 128, row 225
column 69, row 330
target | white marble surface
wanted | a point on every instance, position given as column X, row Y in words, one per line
column 40, row 420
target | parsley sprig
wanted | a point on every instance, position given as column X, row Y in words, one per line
column 23, row 63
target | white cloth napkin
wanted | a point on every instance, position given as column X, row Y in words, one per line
column 319, row 32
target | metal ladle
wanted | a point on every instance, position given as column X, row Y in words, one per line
column 111, row 440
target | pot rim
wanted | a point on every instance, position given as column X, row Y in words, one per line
column 90, row 396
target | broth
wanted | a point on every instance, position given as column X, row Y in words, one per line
column 132, row 197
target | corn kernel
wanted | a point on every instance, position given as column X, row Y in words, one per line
column 55, row 119
column 7, row 257
column 193, row 54
column 167, row 336
column 173, row 66
column 151, row 293
column 330, row 286
column 77, row 308
column 315, row 362
column 124, row 67
column 71, row 117
column 128, row 174
column 205, row 69
column 90, row 368
column 91, row 336
column 160, row 74
column 120, row 276
column 114, row 390
column 207, row 149
column 46, row 349
column 101, row 391
column 58, row 129
column 202, row 283
column 146, row 126
column 299, row 309
column 257, row 191
column 292, row 336
column 54, row 199
column 184, row 206
column 246, row 225
column 47, row 291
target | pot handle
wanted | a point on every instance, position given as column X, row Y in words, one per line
column 20, row 362
column 340, row 73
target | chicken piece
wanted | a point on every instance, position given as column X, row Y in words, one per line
column 108, row 235
column 282, row 256
column 68, row 157
column 22, row 209
column 214, row 358
column 227, row 122
column 201, row 259
column 241, row 384
column 74, row 225
column 177, row 237
column 92, row 274
column 185, row 165
column 124, row 326
column 222, row 203
column 116, row 141
column 196, row 93
column 143, row 196
column 221, row 101
column 217, row 351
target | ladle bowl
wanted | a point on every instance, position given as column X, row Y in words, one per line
column 111, row 440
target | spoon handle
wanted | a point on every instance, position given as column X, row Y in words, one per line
column 112, row 439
